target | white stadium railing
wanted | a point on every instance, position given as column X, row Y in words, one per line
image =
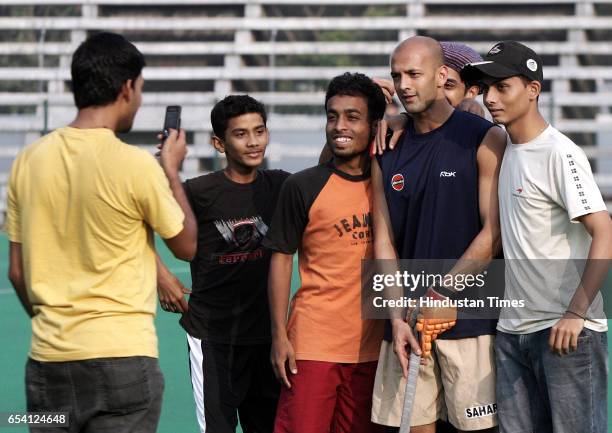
column 202, row 50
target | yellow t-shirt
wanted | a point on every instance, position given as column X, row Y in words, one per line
column 82, row 204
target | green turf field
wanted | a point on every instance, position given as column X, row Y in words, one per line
column 178, row 414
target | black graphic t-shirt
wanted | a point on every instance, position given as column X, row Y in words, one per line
column 229, row 302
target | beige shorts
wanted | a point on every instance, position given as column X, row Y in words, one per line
column 457, row 384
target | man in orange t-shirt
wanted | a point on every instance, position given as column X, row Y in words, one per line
column 324, row 213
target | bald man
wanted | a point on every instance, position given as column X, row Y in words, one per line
column 435, row 197
column 460, row 94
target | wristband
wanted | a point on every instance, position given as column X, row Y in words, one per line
column 575, row 314
column 446, row 292
column 433, row 293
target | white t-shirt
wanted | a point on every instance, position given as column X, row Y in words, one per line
column 544, row 185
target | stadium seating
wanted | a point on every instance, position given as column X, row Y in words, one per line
column 283, row 52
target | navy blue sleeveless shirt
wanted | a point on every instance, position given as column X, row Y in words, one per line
column 431, row 186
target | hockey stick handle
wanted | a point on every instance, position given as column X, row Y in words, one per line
column 414, row 364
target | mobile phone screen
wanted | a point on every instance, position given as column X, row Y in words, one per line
column 172, row 119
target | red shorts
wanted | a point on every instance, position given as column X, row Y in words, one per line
column 328, row 397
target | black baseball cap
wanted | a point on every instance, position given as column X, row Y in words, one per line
column 506, row 59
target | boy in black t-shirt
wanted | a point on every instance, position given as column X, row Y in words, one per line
column 227, row 319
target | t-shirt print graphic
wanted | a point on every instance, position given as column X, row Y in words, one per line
column 244, row 236
column 244, row 233
column 357, row 227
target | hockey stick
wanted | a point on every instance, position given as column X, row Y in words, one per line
column 414, row 364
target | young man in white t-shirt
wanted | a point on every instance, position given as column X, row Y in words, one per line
column 552, row 352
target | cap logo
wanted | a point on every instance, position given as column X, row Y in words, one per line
column 532, row 65
column 496, row 49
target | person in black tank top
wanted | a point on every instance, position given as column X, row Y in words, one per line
column 445, row 207
column 460, row 93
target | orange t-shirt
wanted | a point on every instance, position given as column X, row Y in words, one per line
column 325, row 215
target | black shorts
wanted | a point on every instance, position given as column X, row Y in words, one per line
column 231, row 381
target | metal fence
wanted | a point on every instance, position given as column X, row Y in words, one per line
column 283, row 52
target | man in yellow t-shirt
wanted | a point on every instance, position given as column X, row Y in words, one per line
column 82, row 208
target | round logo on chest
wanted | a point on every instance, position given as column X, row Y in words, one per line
column 397, row 182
